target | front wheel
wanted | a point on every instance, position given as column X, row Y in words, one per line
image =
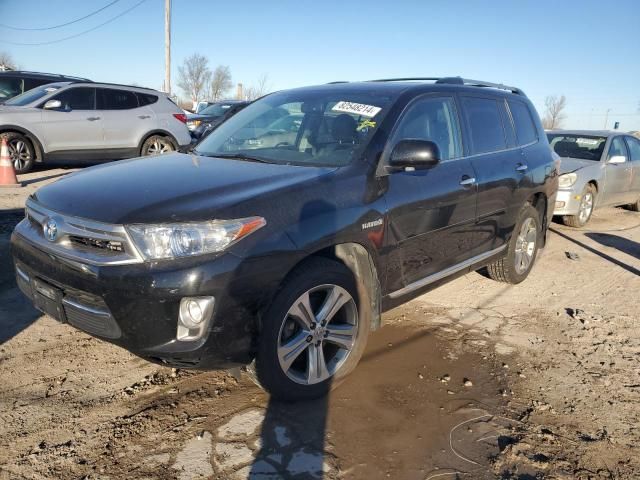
column 515, row 266
column 587, row 200
column 156, row 145
column 313, row 335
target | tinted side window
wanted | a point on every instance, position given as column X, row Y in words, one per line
column 432, row 119
column 525, row 128
column 10, row 87
column 483, row 117
column 146, row 99
column 634, row 148
column 112, row 99
column 80, row 98
column 617, row 148
column 30, row 83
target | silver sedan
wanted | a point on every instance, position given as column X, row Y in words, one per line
column 597, row 169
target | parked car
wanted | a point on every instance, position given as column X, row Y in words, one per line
column 211, row 113
column 16, row 82
column 206, row 126
column 598, row 169
column 90, row 122
column 283, row 256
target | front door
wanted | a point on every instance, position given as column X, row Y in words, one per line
column 75, row 127
column 617, row 185
column 431, row 212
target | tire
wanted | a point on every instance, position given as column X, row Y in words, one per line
column 21, row 151
column 290, row 338
column 156, row 145
column 634, row 207
column 511, row 268
column 587, row 201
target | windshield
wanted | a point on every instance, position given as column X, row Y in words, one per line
column 216, row 110
column 324, row 128
column 32, row 95
column 584, row 147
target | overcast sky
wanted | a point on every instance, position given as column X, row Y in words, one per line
column 586, row 50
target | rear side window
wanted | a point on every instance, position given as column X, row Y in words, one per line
column 78, row 98
column 483, row 118
column 432, row 119
column 146, row 99
column 525, row 128
column 10, row 87
column 112, row 99
column 634, row 148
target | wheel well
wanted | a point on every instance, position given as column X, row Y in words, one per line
column 357, row 259
column 159, row 133
column 35, row 143
column 539, row 202
column 594, row 183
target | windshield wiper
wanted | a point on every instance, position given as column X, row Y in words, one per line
column 235, row 156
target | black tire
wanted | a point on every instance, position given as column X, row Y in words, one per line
column 156, row 145
column 505, row 269
column 579, row 221
column 21, row 151
column 267, row 370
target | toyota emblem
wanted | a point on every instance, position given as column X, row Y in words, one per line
column 50, row 230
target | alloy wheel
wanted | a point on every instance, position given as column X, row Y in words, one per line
column 525, row 245
column 586, row 206
column 159, row 146
column 318, row 334
column 19, row 153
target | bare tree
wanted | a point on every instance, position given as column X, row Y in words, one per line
column 554, row 114
column 193, row 76
column 220, row 82
column 260, row 88
column 6, row 62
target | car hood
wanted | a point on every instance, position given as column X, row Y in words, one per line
column 168, row 188
column 568, row 164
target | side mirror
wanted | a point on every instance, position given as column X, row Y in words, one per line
column 617, row 159
column 414, row 155
column 53, row 105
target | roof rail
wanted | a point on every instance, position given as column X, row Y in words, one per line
column 51, row 75
column 455, row 81
column 337, row 81
column 127, row 86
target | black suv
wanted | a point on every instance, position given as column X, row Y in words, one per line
column 279, row 249
column 14, row 83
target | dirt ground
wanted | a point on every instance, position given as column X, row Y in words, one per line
column 474, row 380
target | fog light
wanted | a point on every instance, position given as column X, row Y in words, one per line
column 195, row 314
column 560, row 204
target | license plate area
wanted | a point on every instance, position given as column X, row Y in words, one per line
column 48, row 299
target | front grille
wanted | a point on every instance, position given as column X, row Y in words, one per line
column 86, row 241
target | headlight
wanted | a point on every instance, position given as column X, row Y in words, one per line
column 188, row 239
column 567, row 180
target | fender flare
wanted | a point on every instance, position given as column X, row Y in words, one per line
column 37, row 145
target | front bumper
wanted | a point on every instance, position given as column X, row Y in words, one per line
column 136, row 306
column 567, row 202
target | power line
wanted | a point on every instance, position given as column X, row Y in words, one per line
column 62, row 24
column 78, row 34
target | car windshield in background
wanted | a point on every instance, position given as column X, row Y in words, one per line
column 216, row 110
column 300, row 128
column 584, row 147
column 32, row 95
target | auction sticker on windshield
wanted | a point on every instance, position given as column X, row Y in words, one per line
column 356, row 108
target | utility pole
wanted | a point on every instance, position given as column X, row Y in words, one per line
column 167, row 46
column 606, row 118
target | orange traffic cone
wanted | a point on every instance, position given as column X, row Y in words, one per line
column 7, row 173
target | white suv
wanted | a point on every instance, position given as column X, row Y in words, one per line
column 90, row 121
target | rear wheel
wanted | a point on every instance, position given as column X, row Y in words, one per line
column 156, row 145
column 587, row 201
column 21, row 152
column 515, row 266
column 313, row 334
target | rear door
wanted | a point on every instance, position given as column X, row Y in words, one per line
column 125, row 121
column 75, row 126
column 618, row 176
column 431, row 212
column 633, row 144
column 498, row 165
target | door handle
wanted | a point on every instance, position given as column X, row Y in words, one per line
column 467, row 181
column 521, row 168
column 144, row 116
column 93, row 119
